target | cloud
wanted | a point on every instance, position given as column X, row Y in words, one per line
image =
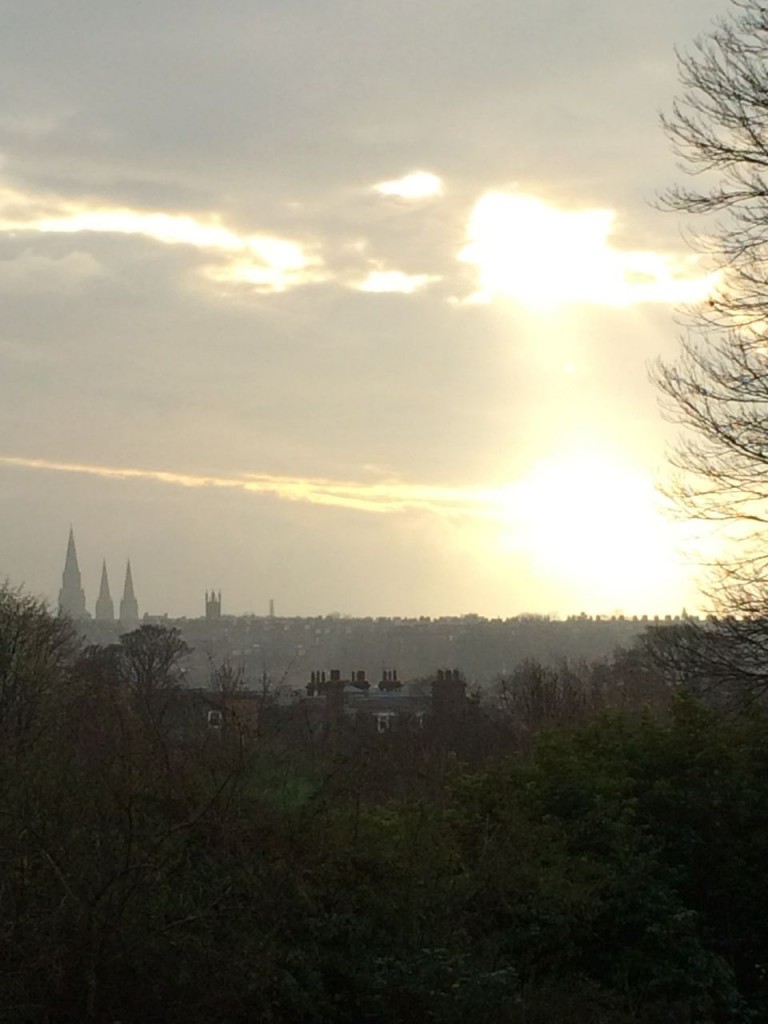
column 264, row 262
column 518, row 246
column 395, row 281
column 387, row 496
column 417, row 185
column 283, row 265
column 541, row 256
column 33, row 273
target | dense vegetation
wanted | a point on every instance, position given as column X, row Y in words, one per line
column 609, row 871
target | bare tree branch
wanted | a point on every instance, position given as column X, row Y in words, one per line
column 717, row 388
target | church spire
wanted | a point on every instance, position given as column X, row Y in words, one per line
column 105, row 608
column 129, row 608
column 72, row 595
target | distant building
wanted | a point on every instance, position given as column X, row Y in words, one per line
column 129, row 607
column 72, row 595
column 105, row 608
column 449, row 693
column 212, row 605
column 387, row 706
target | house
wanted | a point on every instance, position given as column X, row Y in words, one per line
column 389, row 704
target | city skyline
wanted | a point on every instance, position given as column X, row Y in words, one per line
column 75, row 601
column 350, row 307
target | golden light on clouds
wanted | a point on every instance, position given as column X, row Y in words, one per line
column 383, row 496
column 262, row 261
column 280, row 265
column 416, row 185
column 395, row 281
column 520, row 248
column 541, row 256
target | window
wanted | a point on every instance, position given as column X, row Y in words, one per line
column 384, row 720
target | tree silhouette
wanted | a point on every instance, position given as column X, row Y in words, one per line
column 717, row 388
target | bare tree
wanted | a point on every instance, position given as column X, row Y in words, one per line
column 149, row 665
column 722, row 660
column 718, row 387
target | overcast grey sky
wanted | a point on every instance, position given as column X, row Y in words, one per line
column 363, row 294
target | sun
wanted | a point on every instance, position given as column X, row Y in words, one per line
column 598, row 526
column 544, row 257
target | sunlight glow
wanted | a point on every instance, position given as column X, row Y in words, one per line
column 417, row 185
column 395, row 281
column 541, row 256
column 596, row 521
column 588, row 522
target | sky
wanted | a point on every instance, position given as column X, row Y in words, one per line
column 344, row 304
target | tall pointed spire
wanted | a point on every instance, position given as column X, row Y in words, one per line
column 105, row 608
column 72, row 595
column 129, row 607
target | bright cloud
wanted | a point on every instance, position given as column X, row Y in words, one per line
column 541, row 256
column 384, row 496
column 417, row 185
column 279, row 265
column 264, row 262
column 395, row 281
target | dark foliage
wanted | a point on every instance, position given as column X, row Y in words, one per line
column 607, row 870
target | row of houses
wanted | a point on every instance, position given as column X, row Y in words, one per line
column 330, row 699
